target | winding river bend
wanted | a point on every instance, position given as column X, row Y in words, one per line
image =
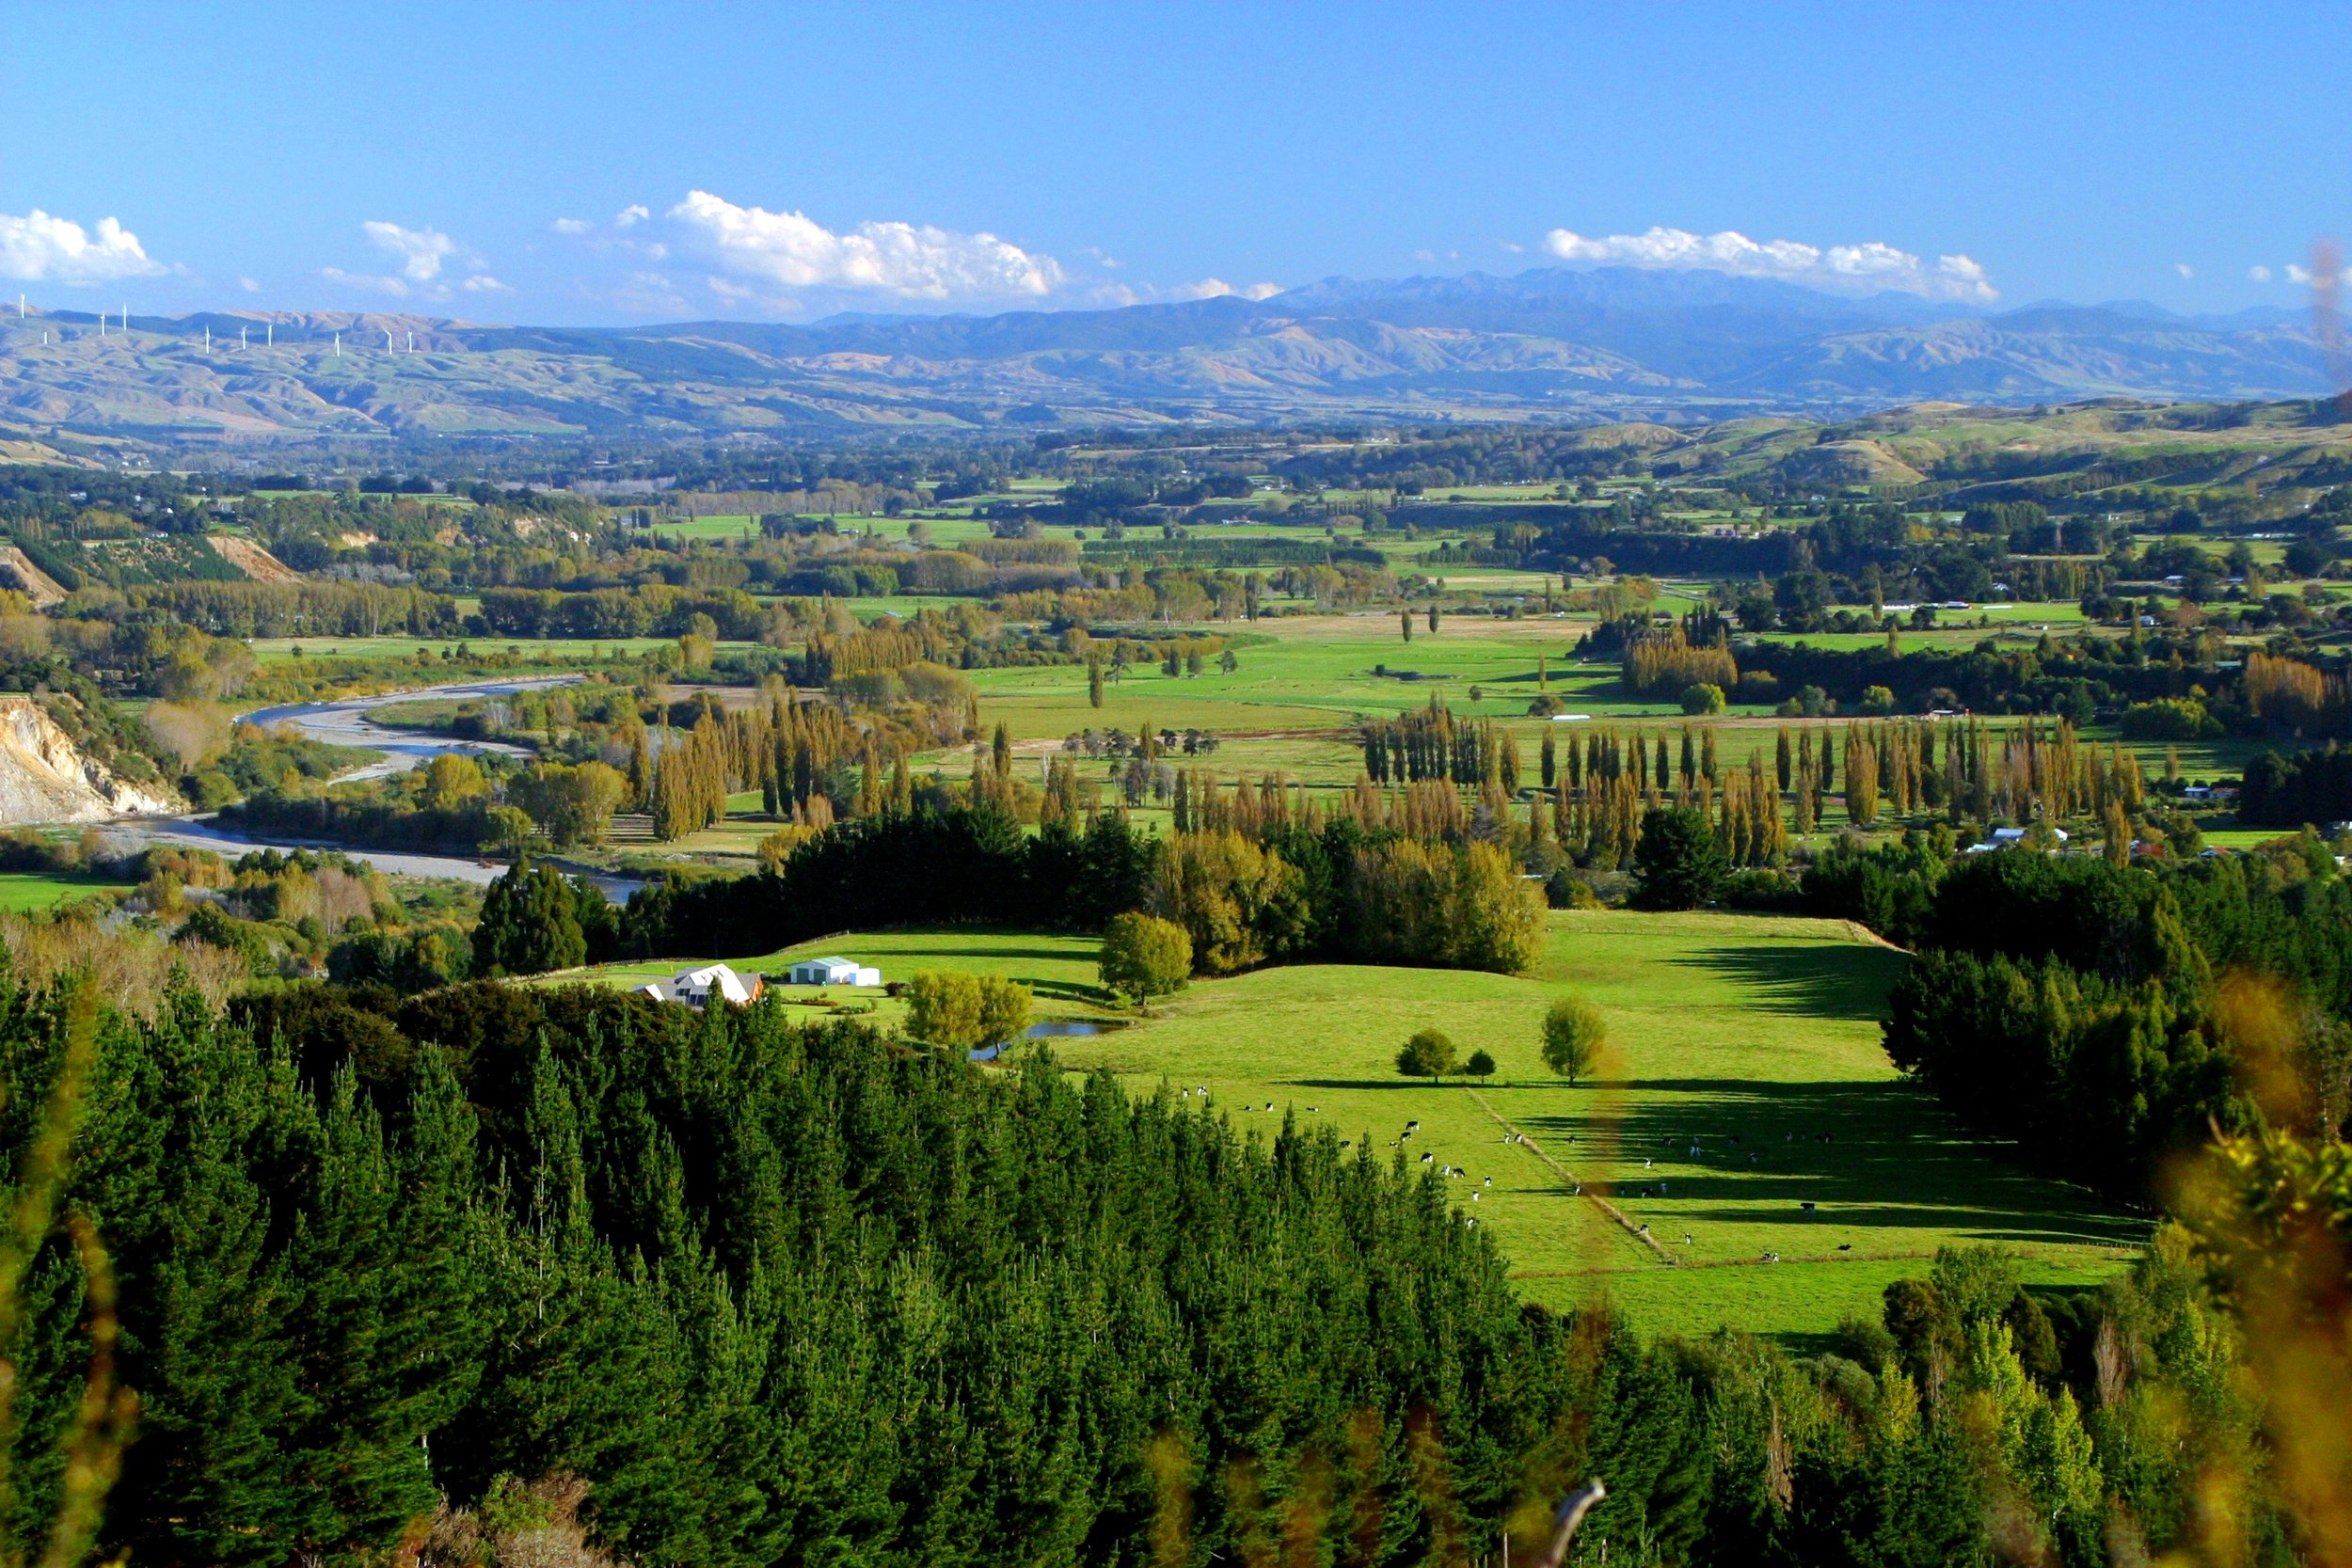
column 346, row 723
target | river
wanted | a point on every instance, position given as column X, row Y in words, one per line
column 346, row 723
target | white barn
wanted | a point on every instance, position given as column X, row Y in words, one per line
column 698, row 987
column 834, row 971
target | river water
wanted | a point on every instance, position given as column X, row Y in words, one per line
column 346, row 723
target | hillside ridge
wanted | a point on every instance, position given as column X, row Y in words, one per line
column 1614, row 343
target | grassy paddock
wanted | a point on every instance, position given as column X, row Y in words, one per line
column 1722, row 1027
column 25, row 891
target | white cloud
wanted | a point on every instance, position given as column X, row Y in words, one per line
column 911, row 260
column 631, row 215
column 251, row 285
column 1213, row 288
column 2303, row 275
column 571, row 225
column 421, row 250
column 1513, row 246
column 2183, row 269
column 422, row 253
column 396, row 287
column 1848, row 267
column 2260, row 275
column 39, row 248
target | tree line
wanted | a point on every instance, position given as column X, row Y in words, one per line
column 2110, row 1018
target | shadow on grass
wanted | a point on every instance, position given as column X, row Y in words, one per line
column 1869, row 1154
column 1832, row 980
column 1069, row 990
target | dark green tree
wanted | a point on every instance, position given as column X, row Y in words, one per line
column 1677, row 864
column 1428, row 1054
column 530, row 924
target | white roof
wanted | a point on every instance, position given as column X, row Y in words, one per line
column 714, row 979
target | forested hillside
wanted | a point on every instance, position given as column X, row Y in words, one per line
column 714, row 1289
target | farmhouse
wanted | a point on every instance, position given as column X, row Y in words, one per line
column 834, row 971
column 2010, row 838
column 696, row 987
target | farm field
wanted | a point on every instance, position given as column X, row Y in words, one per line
column 22, row 891
column 1743, row 1080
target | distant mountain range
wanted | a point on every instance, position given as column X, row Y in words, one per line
column 1615, row 343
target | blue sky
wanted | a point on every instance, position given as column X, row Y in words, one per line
column 588, row 162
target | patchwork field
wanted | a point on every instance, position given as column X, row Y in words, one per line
column 1744, row 1080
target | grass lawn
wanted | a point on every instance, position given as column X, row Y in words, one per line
column 23, row 891
column 1724, row 1028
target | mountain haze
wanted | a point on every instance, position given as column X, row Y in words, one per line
column 1611, row 342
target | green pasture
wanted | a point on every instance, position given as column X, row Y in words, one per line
column 27, row 892
column 1314, row 672
column 1059, row 970
column 1745, row 1079
column 1722, row 1027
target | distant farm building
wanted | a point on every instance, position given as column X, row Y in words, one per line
column 2011, row 838
column 698, row 987
column 833, row 972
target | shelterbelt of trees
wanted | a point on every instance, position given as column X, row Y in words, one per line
column 2110, row 1018
column 456, row 1274
column 1255, row 880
